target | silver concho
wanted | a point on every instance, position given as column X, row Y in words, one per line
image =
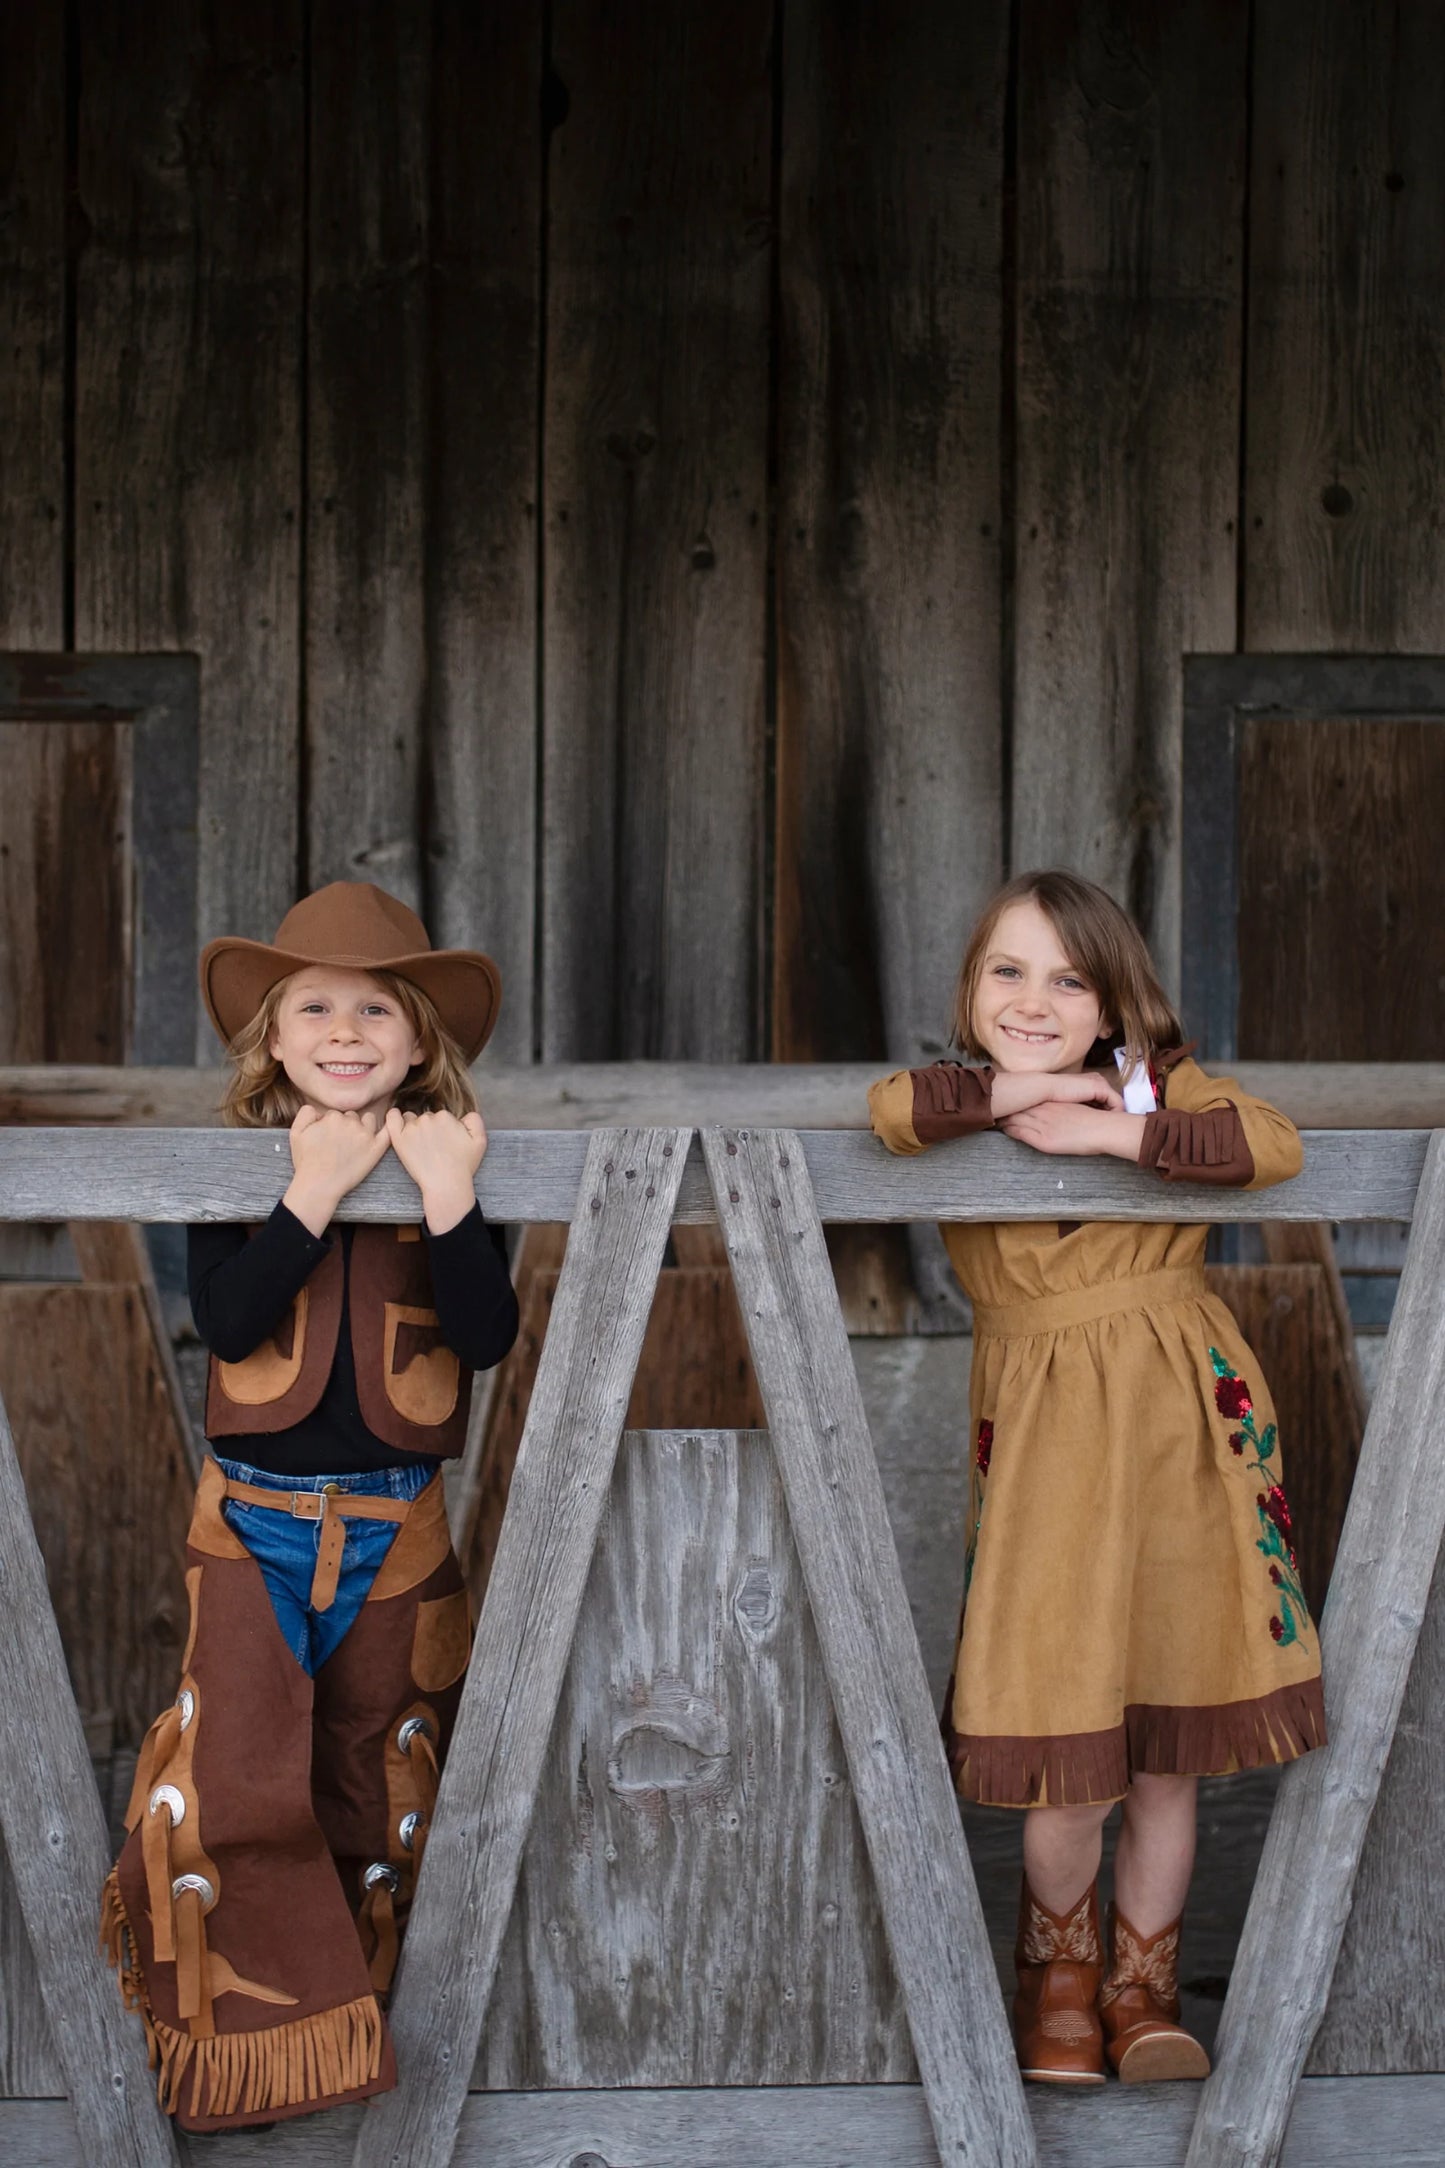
column 166, row 1795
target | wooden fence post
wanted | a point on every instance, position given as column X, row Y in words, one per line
column 489, row 1786
column 55, row 1838
column 870, row 1652
column 1381, row 1583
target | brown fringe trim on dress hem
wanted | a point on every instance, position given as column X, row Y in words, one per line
column 245, row 2073
column 1094, row 1767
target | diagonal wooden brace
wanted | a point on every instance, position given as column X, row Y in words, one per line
column 1378, row 1593
column 860, row 1611
column 489, row 1786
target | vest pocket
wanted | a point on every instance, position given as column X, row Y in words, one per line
column 271, row 1370
column 421, row 1374
column 442, row 1641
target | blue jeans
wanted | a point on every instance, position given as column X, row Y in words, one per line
column 285, row 1549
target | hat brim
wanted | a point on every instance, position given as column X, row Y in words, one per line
column 463, row 986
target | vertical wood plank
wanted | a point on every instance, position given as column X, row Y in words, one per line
column 366, row 406
column 32, row 325
column 187, row 419
column 695, row 1905
column 889, row 748
column 1131, row 153
column 1345, row 421
column 860, row 1609
column 1368, row 1636
column 486, row 124
column 655, row 503
column 489, row 1787
column 55, row 1836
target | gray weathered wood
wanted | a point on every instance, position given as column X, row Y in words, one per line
column 188, row 394
column 889, row 731
column 1131, row 158
column 1345, row 426
column 656, row 506
column 365, row 664
column 870, row 1652
column 760, row 1095
column 485, row 324
column 558, row 1494
column 55, row 1838
column 528, row 1175
column 1383, row 1570
column 28, row 2062
column 695, row 1905
column 32, row 325
column 1337, row 2123
column 1387, row 1998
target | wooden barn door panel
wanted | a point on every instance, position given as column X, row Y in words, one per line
column 65, row 960
column 1342, row 931
column 695, row 1905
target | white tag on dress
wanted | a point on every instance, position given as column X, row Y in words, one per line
column 1138, row 1091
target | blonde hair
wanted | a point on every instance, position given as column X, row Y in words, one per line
column 260, row 1095
column 1104, row 946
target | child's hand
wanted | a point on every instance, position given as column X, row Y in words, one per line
column 1061, row 1126
column 1012, row 1091
column 442, row 1155
column 331, row 1152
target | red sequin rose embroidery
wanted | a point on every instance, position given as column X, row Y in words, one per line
column 1276, row 1537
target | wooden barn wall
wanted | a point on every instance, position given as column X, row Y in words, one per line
column 691, row 495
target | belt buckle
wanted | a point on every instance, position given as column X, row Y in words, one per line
column 307, row 1505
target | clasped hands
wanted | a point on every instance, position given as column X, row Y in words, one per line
column 1076, row 1114
column 332, row 1152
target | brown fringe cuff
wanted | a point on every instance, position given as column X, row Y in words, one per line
column 1205, row 1147
column 308, row 2062
column 1090, row 1768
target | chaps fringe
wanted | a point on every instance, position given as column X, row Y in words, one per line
column 283, row 2066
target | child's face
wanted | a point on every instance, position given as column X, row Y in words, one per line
column 343, row 1040
column 1032, row 1011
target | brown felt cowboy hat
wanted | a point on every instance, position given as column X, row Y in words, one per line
column 359, row 925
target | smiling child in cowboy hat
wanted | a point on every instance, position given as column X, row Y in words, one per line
column 281, row 1803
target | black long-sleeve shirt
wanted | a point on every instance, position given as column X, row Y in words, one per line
column 242, row 1285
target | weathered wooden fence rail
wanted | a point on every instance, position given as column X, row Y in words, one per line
column 769, row 1190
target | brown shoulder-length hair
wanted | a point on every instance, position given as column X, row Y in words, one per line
column 1104, row 946
column 260, row 1095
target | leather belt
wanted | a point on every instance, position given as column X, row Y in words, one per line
column 331, row 1507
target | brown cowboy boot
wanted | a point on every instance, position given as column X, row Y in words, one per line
column 1139, row 2004
column 1060, row 1962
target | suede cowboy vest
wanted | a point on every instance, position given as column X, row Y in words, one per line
column 414, row 1393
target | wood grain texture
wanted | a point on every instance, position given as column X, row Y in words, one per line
column 489, row 1786
column 1336, row 2123
column 655, row 449
column 695, row 1904
column 32, row 325
column 188, row 401
column 485, row 319
column 1345, row 425
column 801, row 1095
column 1343, row 941
column 1302, row 1244
column 1288, row 1318
column 55, row 1839
column 900, row 1778
column 1131, row 155
column 65, row 891
column 179, row 1174
column 889, row 735
column 28, row 2062
column 365, row 661
column 1386, row 2010
column 1383, row 1572
column 110, row 1487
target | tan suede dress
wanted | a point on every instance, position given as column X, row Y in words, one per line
column 1132, row 1597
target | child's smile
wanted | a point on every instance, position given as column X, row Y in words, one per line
column 343, row 1040
column 1033, row 1011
